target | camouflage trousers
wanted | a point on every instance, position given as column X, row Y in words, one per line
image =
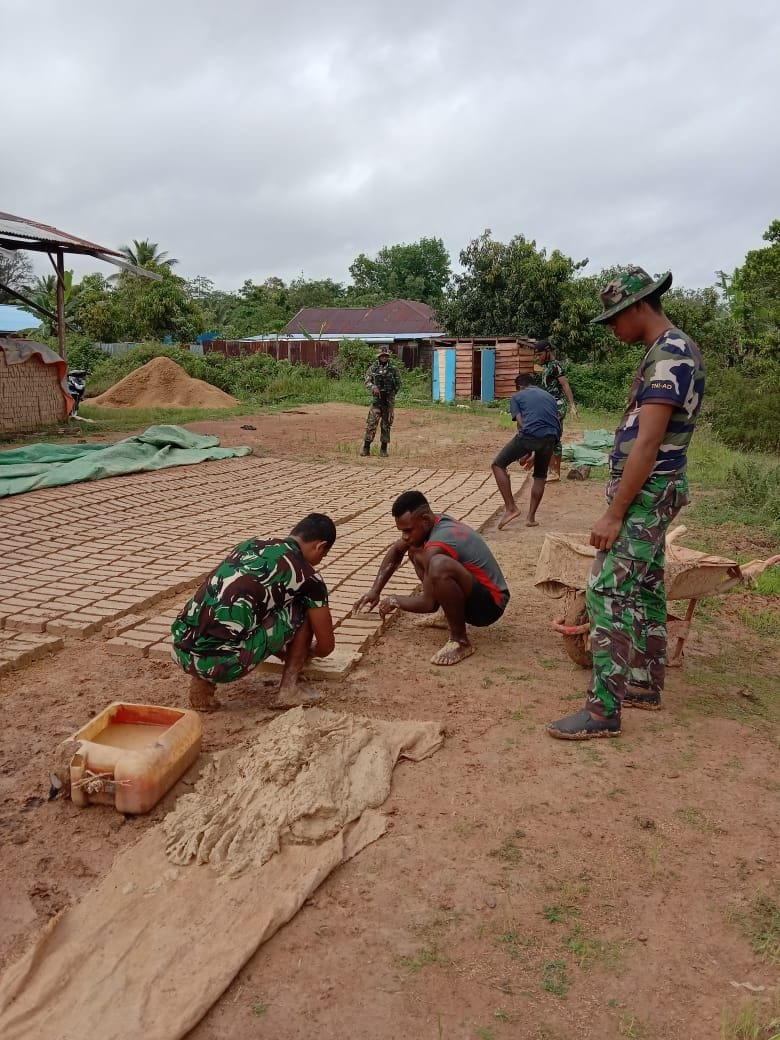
column 626, row 598
column 222, row 661
column 563, row 409
column 382, row 410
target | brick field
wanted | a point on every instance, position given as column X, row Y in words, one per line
column 96, row 558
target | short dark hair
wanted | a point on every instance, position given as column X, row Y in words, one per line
column 316, row 527
column 524, row 379
column 542, row 345
column 653, row 301
column 409, row 502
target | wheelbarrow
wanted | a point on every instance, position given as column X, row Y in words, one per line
column 565, row 564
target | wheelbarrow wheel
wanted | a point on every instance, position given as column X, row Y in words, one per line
column 577, row 646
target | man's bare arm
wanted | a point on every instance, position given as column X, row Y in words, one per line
column 392, row 560
column 653, row 424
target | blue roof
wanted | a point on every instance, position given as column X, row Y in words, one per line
column 14, row 319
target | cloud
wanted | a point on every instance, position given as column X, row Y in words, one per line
column 252, row 139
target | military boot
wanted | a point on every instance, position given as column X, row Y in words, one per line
column 366, row 448
column 383, row 449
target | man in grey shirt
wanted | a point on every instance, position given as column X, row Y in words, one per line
column 459, row 574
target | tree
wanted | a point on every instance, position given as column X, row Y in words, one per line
column 508, row 290
column 145, row 253
column 16, row 271
column 44, row 293
column 415, row 271
column 753, row 292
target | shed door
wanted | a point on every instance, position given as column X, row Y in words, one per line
column 444, row 375
column 488, row 381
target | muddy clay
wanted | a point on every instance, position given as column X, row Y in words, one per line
column 161, row 383
column 299, row 782
column 527, row 888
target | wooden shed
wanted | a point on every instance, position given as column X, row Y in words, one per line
column 481, row 369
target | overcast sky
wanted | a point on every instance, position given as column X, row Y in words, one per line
column 252, row 138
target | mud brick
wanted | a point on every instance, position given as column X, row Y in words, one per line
column 27, row 622
column 74, row 624
column 122, row 646
column 120, row 625
column 160, row 652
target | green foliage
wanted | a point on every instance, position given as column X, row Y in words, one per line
column 753, row 291
column 605, row 384
column 353, row 359
column 507, row 289
column 414, row 271
column 743, row 405
column 145, row 253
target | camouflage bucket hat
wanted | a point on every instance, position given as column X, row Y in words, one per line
column 382, row 351
column 626, row 290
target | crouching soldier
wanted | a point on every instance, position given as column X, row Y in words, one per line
column 264, row 599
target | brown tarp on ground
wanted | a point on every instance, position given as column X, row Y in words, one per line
column 151, row 948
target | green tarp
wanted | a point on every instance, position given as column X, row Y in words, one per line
column 588, row 453
column 50, row 465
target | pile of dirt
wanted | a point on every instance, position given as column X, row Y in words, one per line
column 161, row 383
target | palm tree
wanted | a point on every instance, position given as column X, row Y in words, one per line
column 144, row 253
column 44, row 293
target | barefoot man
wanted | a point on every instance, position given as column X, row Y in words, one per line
column 459, row 574
column 538, row 433
column 264, row 598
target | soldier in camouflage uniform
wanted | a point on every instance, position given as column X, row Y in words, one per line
column 552, row 378
column 384, row 382
column 264, row 599
column 648, row 485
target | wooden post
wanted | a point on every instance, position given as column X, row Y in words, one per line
column 60, row 268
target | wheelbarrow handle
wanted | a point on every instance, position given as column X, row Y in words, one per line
column 675, row 533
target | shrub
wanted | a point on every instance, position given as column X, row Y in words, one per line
column 605, row 385
column 743, row 405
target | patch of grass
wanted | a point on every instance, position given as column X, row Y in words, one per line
column 556, row 914
column 514, row 943
column 697, row 821
column 508, row 852
column 632, row 1028
column 768, row 583
column 751, row 697
column 555, row 979
column 485, row 1033
column 765, row 622
column 751, row 1021
column 761, row 925
column 589, row 951
column 502, row 1015
column 259, row 1008
column 415, row 962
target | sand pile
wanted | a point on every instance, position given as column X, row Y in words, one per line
column 161, row 383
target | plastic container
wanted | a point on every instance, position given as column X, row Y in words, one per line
column 130, row 755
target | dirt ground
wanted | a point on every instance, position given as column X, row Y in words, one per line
column 527, row 888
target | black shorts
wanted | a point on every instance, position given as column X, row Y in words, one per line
column 481, row 609
column 519, row 447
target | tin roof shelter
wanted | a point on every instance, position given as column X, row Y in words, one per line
column 19, row 233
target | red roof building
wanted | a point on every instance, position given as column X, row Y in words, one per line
column 396, row 320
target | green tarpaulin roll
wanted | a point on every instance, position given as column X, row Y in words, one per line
column 51, row 465
column 588, row 453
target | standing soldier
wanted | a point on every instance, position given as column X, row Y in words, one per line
column 553, row 380
column 647, row 487
column 384, row 382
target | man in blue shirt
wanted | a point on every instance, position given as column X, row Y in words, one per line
column 538, row 433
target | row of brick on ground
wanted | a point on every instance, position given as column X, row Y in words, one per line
column 96, row 558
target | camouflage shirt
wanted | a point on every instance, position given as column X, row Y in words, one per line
column 256, row 578
column 671, row 372
column 550, row 379
column 385, row 377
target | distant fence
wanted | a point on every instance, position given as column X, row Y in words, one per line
column 314, row 353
